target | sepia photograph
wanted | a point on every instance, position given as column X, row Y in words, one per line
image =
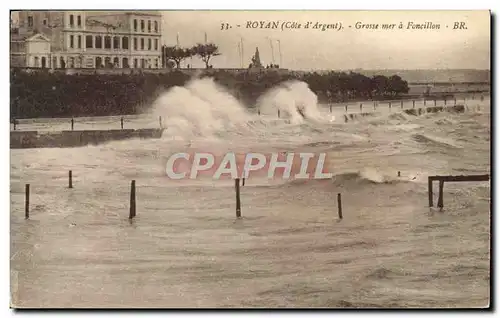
column 250, row 159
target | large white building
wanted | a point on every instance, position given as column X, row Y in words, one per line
column 86, row 39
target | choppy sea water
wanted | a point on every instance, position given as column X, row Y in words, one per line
column 186, row 248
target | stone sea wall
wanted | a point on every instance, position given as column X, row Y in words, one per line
column 76, row 138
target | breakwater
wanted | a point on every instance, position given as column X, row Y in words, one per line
column 412, row 111
column 76, row 138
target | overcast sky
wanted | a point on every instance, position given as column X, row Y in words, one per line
column 346, row 49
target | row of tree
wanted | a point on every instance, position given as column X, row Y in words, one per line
column 60, row 95
column 174, row 55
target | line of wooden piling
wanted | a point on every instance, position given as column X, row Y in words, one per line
column 238, row 202
column 132, row 200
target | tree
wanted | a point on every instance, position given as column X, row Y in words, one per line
column 397, row 85
column 206, row 52
column 176, row 54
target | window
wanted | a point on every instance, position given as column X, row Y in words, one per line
column 142, row 43
column 135, row 25
column 149, row 45
column 125, row 43
column 79, row 41
column 107, row 42
column 156, row 26
column 149, row 26
column 79, row 21
column 125, row 63
column 156, row 44
column 71, row 20
column 30, row 21
column 98, row 62
column 156, row 63
column 88, row 42
column 116, row 42
column 98, row 42
column 135, row 44
column 136, row 63
column 71, row 62
column 116, row 62
column 71, row 41
column 142, row 25
column 107, row 62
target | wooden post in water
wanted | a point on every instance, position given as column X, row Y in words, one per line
column 278, row 113
column 339, row 205
column 445, row 101
column 258, row 111
column 399, row 173
column 132, row 200
column 430, row 192
column 70, row 179
column 330, row 108
column 27, row 202
column 440, row 199
column 238, row 202
column 455, row 101
column 161, row 124
column 390, row 105
column 243, row 183
column 401, row 104
column 361, row 107
column 121, row 122
column 346, row 108
column 72, row 123
column 434, row 102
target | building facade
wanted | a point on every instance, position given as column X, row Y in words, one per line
column 87, row 39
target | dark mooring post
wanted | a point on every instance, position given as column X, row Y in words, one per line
column 238, row 202
column 455, row 101
column 339, row 205
column 361, row 107
column 243, row 183
column 401, row 103
column 445, row 101
column 27, row 202
column 70, row 179
column 346, row 108
column 440, row 199
column 72, row 123
column 278, row 113
column 132, row 200
column 258, row 112
column 413, row 104
column 161, row 124
column 434, row 102
column 399, row 173
column 121, row 122
column 430, row 192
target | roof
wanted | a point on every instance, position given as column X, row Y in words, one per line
column 38, row 37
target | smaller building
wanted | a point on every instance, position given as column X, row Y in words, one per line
column 33, row 51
